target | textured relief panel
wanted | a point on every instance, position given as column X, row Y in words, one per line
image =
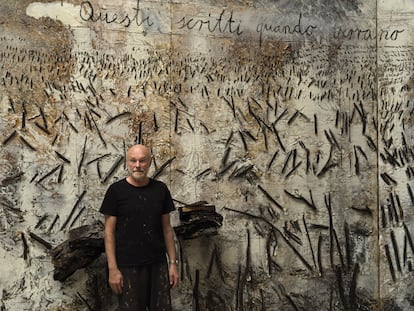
column 396, row 200
column 292, row 119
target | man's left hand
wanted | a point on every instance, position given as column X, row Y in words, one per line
column 173, row 275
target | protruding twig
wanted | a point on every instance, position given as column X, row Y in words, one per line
column 73, row 210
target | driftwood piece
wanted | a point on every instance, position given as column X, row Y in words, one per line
column 84, row 245
column 198, row 219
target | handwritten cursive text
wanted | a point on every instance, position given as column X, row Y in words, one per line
column 89, row 13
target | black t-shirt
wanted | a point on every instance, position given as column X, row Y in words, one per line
column 139, row 237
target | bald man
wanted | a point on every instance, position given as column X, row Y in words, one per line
column 138, row 236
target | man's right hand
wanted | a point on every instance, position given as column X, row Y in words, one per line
column 116, row 281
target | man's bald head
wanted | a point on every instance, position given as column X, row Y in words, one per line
column 138, row 163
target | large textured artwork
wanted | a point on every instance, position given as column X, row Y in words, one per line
column 292, row 119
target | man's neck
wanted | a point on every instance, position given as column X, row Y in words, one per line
column 138, row 183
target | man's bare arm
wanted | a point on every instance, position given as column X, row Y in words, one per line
column 115, row 276
column 170, row 245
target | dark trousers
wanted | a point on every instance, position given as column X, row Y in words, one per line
column 146, row 288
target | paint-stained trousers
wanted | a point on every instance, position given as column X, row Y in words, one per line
column 146, row 288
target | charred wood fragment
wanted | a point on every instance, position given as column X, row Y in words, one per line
column 409, row 238
column 162, row 167
column 84, row 301
column 390, row 264
column 9, row 138
column 73, row 210
column 122, row 114
column 320, row 266
column 270, row 198
column 38, row 239
column 82, row 158
column 48, row 174
column 341, row 289
column 25, row 247
column 241, row 171
column 309, row 240
column 83, row 246
column 25, row 142
column 215, row 259
column 196, row 294
column 363, row 210
column 198, row 219
column 396, row 252
column 299, row 197
column 113, row 168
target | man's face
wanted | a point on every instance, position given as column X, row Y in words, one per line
column 138, row 162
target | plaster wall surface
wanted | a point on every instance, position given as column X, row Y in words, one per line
column 293, row 118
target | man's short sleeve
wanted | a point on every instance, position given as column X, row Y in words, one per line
column 109, row 206
column 168, row 204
